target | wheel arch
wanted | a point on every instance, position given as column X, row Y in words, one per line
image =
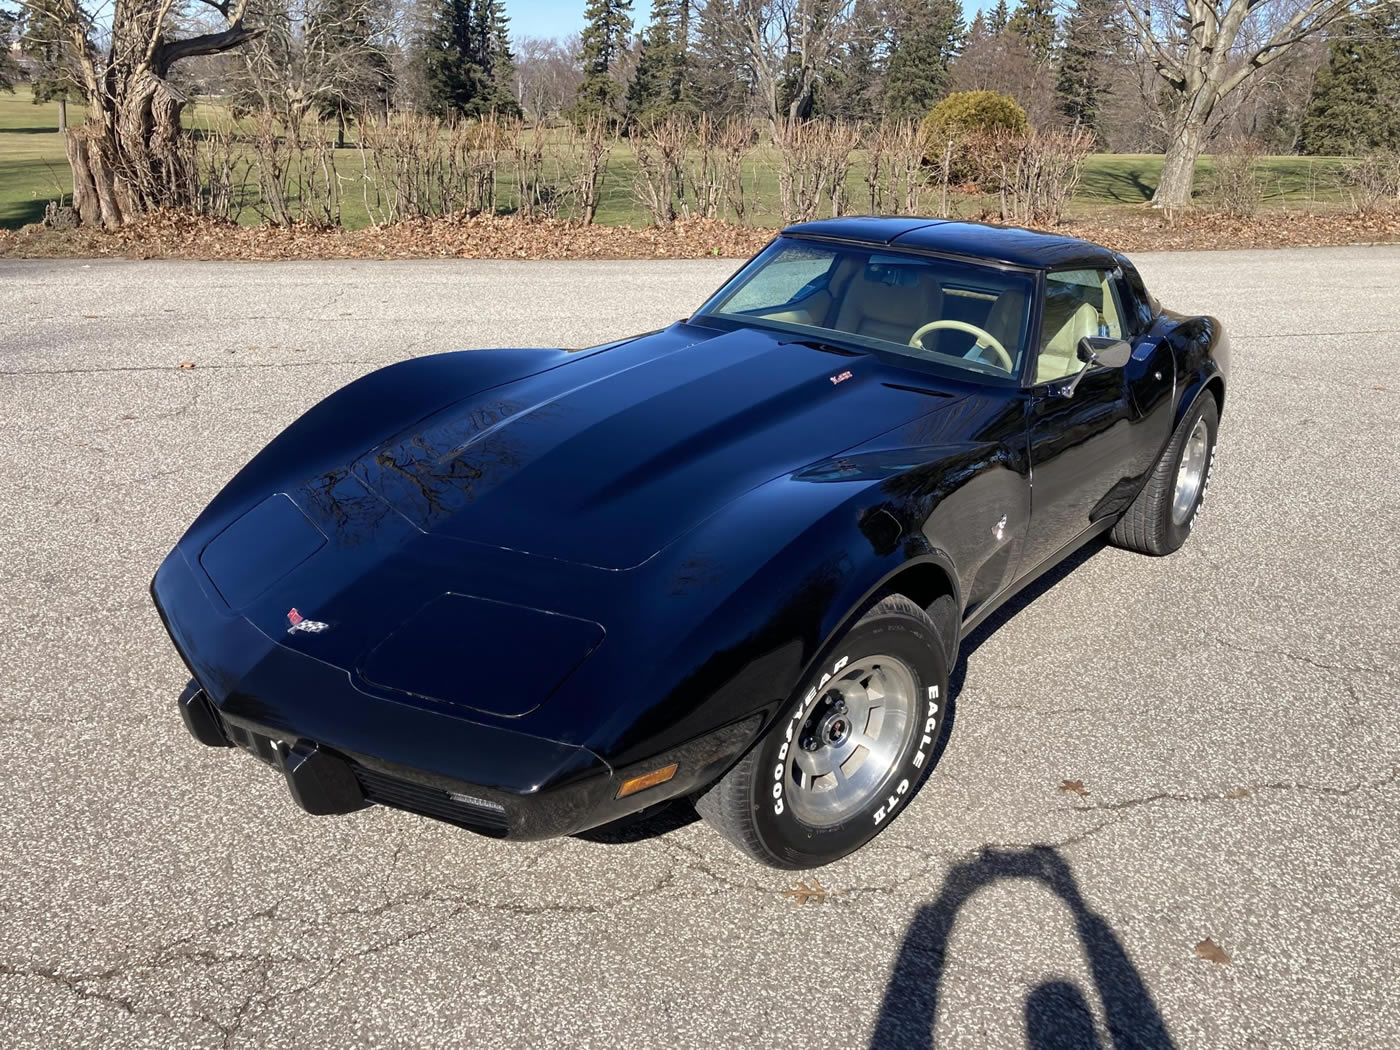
column 932, row 587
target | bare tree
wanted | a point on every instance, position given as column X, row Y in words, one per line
column 788, row 45
column 1006, row 64
column 1204, row 50
column 131, row 153
column 547, row 75
column 318, row 57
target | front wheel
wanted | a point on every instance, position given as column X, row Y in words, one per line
column 1161, row 517
column 849, row 750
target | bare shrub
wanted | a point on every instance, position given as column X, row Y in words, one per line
column 1034, row 174
column 1373, row 182
column 1238, row 187
column 537, row 186
column 660, row 147
column 222, row 171
column 416, row 167
column 897, row 178
column 713, row 183
column 591, row 151
column 814, row 160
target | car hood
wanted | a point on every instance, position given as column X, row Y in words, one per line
column 606, row 460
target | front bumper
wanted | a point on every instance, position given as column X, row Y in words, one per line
column 340, row 746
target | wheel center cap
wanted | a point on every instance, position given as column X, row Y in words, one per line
column 835, row 728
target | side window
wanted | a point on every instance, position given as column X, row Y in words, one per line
column 1137, row 304
column 1078, row 303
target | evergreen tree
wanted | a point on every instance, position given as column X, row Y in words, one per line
column 9, row 70
column 998, row 20
column 1355, row 105
column 1081, row 84
column 924, row 45
column 41, row 35
column 608, row 26
column 497, row 59
column 657, row 85
column 977, row 31
column 1034, row 22
column 718, row 78
column 467, row 67
column 855, row 85
column 453, row 83
column 345, row 70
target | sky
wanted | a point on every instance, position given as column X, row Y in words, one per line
column 551, row 18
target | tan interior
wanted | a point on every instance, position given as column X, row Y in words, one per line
column 1059, row 356
column 1005, row 318
column 892, row 312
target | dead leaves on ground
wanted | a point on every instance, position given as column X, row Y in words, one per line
column 1212, row 952
column 174, row 236
column 804, row 892
column 177, row 236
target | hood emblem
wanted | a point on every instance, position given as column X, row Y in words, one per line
column 298, row 622
column 998, row 531
column 840, row 378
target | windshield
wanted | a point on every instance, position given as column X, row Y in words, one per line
column 951, row 313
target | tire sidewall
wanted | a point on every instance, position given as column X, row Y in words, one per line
column 1205, row 408
column 792, row 841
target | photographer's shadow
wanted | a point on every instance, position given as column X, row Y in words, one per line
column 1057, row 1012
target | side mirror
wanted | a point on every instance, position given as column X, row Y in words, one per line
column 1101, row 350
column 1104, row 350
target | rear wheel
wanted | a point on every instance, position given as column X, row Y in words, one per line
column 849, row 750
column 1160, row 519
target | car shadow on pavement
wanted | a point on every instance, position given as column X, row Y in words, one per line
column 1057, row 1012
column 1015, row 606
column 650, row 823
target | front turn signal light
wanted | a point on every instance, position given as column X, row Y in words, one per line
column 632, row 785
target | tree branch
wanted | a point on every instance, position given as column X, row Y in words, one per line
column 1307, row 21
column 1164, row 63
column 173, row 51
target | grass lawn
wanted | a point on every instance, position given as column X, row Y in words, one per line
column 34, row 170
column 33, row 165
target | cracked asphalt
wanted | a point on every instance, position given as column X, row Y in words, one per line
column 1147, row 755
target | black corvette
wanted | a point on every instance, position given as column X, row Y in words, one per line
column 534, row 591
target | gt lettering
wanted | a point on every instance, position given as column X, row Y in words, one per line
column 920, row 756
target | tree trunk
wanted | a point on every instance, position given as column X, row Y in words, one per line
column 131, row 155
column 62, row 115
column 1179, row 167
column 1188, row 135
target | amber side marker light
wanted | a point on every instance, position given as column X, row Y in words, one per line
column 632, row 785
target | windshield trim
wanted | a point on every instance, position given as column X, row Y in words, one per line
column 846, row 342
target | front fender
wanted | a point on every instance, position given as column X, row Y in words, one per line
column 744, row 607
column 1202, row 353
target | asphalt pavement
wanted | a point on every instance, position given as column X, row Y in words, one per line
column 1167, row 815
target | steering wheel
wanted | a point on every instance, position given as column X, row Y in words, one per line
column 985, row 339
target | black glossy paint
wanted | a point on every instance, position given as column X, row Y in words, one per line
column 537, row 572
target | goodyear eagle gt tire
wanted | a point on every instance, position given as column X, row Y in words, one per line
column 850, row 747
column 1160, row 519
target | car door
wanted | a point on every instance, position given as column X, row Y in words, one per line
column 1089, row 450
